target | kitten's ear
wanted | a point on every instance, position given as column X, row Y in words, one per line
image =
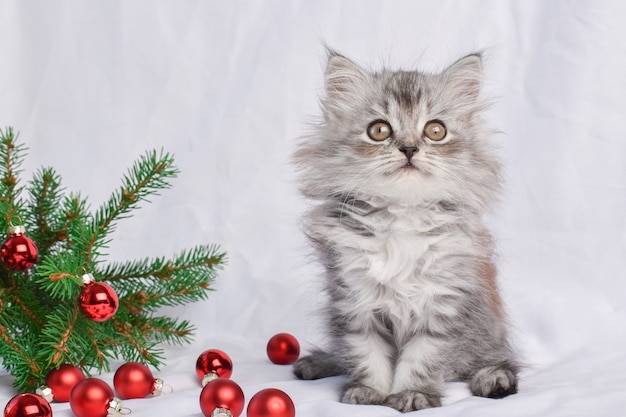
column 464, row 77
column 344, row 79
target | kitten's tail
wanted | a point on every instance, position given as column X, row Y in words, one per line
column 318, row 364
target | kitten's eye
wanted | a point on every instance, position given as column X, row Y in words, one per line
column 435, row 130
column 379, row 130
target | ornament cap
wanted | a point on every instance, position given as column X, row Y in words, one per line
column 161, row 388
column 88, row 279
column 221, row 412
column 45, row 392
column 116, row 408
column 209, row 377
column 15, row 230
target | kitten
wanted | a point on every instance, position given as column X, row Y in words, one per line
column 402, row 171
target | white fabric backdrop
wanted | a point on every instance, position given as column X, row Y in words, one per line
column 228, row 86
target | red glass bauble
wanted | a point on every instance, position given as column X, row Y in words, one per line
column 98, row 301
column 283, row 349
column 18, row 252
column 91, row 397
column 133, row 380
column 271, row 402
column 27, row 405
column 62, row 380
column 222, row 393
column 213, row 363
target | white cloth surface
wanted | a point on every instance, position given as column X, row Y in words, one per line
column 228, row 86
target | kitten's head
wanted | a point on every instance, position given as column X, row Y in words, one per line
column 401, row 136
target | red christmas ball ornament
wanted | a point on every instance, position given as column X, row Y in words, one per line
column 60, row 382
column 271, row 402
column 134, row 380
column 18, row 251
column 212, row 364
column 283, row 349
column 27, row 405
column 97, row 301
column 221, row 398
column 92, row 397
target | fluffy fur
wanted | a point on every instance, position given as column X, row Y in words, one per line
column 410, row 273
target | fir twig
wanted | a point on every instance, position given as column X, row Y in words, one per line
column 166, row 329
column 15, row 355
column 45, row 210
column 10, row 155
column 25, row 306
column 61, row 347
column 149, row 285
column 145, row 178
column 100, row 356
column 141, row 350
column 10, row 162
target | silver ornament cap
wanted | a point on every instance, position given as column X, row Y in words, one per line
column 16, row 230
column 158, row 386
column 209, row 377
column 116, row 408
column 45, row 392
column 221, row 412
column 87, row 279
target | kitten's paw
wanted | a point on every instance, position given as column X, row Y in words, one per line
column 305, row 368
column 361, row 394
column 317, row 365
column 410, row 400
column 493, row 382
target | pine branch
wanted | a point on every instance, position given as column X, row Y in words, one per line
column 41, row 325
column 76, row 217
column 18, row 356
column 145, row 178
column 202, row 256
column 100, row 354
column 10, row 161
column 21, row 309
column 135, row 346
column 184, row 279
column 169, row 330
column 61, row 347
column 57, row 275
column 26, row 303
column 45, row 209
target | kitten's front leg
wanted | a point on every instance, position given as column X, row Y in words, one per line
column 418, row 380
column 370, row 370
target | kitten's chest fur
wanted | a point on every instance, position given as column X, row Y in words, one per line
column 399, row 259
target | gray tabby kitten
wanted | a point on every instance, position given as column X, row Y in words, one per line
column 403, row 172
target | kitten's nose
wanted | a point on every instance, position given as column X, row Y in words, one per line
column 409, row 151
